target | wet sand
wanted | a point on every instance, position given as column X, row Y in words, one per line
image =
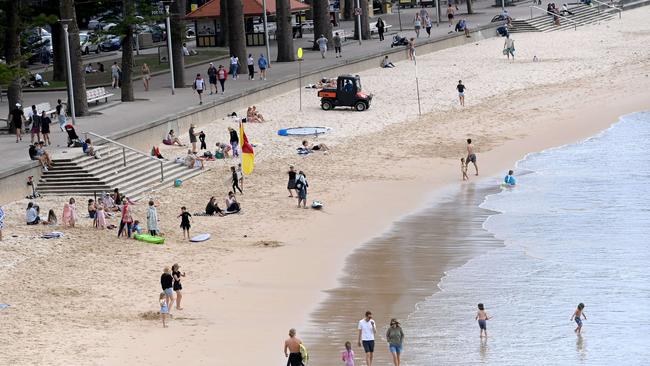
column 391, row 274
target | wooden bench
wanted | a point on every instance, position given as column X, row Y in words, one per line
column 40, row 107
column 97, row 94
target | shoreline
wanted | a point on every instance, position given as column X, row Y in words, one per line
column 240, row 288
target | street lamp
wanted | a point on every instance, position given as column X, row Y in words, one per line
column 266, row 33
column 69, row 67
column 169, row 48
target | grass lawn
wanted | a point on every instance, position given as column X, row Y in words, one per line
column 103, row 78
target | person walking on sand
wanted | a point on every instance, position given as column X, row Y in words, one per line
column 291, row 185
column 576, row 317
column 199, row 86
column 471, row 156
column 164, row 308
column 115, row 75
column 234, row 142
column 322, row 45
column 186, row 218
column 461, row 92
column 482, row 318
column 367, row 330
column 178, row 288
column 380, row 28
column 417, row 24
column 235, row 180
column 193, row 135
column 395, row 338
column 410, row 49
column 167, row 284
column 301, row 187
column 146, row 76
column 347, row 356
column 152, row 219
column 212, row 78
column 509, row 47
column 292, row 349
column 450, row 14
column 337, row 45
column 126, row 222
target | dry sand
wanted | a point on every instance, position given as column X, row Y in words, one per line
column 91, row 299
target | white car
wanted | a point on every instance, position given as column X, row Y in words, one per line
column 89, row 42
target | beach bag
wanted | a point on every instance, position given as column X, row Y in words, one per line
column 207, row 154
column 218, row 155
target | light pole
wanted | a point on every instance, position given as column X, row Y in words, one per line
column 503, row 5
column 69, row 67
column 438, row 11
column 300, row 75
column 266, row 33
column 417, row 83
column 399, row 16
column 169, row 48
column 358, row 11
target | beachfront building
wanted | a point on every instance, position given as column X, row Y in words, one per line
column 207, row 21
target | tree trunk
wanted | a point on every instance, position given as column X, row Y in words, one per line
column 223, row 36
column 78, row 79
column 58, row 44
column 126, row 89
column 284, row 31
column 12, row 52
column 322, row 25
column 236, row 32
column 348, row 10
column 177, row 26
column 365, row 23
column 469, row 7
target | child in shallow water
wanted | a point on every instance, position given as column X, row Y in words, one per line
column 463, row 169
column 482, row 318
column 347, row 356
column 576, row 317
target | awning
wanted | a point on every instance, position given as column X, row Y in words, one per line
column 212, row 9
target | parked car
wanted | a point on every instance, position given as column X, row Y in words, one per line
column 89, row 42
column 111, row 43
column 158, row 34
column 189, row 31
column 96, row 24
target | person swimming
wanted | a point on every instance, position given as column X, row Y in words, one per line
column 510, row 179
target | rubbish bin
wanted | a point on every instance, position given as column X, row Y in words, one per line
column 388, row 8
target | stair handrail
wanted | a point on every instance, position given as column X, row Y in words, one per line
column 125, row 147
column 620, row 10
column 575, row 24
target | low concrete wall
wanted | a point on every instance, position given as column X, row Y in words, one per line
column 144, row 136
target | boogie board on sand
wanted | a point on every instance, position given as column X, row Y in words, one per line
column 200, row 237
column 149, row 238
column 303, row 131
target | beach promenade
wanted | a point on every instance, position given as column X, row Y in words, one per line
column 158, row 103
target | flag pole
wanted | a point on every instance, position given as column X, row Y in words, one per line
column 417, row 83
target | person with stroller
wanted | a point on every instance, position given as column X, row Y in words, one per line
column 73, row 138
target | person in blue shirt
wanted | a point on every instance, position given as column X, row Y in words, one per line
column 263, row 64
column 510, row 179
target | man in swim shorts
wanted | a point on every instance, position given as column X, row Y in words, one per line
column 292, row 349
column 367, row 331
column 471, row 156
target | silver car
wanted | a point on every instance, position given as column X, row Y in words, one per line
column 89, row 42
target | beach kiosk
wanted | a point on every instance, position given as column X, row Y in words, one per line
column 207, row 21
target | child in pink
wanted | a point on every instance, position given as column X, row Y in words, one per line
column 100, row 218
column 67, row 213
column 348, row 355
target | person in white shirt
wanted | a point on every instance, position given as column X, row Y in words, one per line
column 234, row 66
column 367, row 331
column 251, row 66
column 199, row 86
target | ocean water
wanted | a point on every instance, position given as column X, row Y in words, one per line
column 575, row 229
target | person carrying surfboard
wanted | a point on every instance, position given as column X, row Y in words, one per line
column 292, row 349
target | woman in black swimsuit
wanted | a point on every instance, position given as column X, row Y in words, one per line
column 177, row 285
column 291, row 185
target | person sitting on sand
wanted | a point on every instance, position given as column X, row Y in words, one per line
column 510, row 179
column 51, row 219
column 250, row 116
column 192, row 161
column 258, row 115
column 212, row 208
column 31, row 214
column 386, row 64
column 223, row 149
column 231, row 203
column 171, row 139
column 315, row 147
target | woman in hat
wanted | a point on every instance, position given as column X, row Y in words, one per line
column 395, row 338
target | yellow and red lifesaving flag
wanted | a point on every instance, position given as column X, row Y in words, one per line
column 247, row 153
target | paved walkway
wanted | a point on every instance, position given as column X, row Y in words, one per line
column 158, row 102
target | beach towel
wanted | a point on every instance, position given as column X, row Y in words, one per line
column 4, row 306
column 303, row 151
column 52, row 235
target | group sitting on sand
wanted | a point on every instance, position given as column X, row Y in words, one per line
column 252, row 115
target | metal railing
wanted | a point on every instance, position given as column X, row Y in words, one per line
column 575, row 24
column 620, row 10
column 124, row 148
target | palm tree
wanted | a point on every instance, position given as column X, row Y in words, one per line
column 67, row 10
column 236, row 32
column 322, row 24
column 284, row 31
column 177, row 25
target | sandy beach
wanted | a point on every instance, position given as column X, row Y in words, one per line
column 90, row 298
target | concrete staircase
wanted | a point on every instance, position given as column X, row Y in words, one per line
column 582, row 14
column 82, row 175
